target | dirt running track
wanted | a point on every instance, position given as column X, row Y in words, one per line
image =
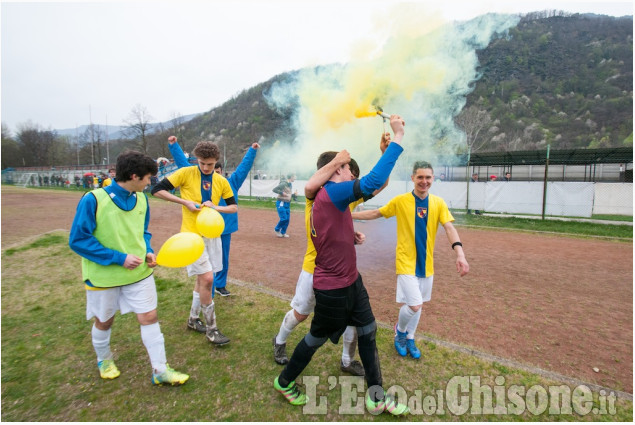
column 561, row 304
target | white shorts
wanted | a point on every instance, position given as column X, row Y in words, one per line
column 304, row 299
column 413, row 290
column 140, row 297
column 211, row 260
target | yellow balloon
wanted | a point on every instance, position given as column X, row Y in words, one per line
column 210, row 223
column 181, row 250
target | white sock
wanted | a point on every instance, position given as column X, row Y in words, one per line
column 101, row 343
column 153, row 340
column 412, row 325
column 195, row 311
column 286, row 327
column 209, row 315
column 349, row 342
column 405, row 314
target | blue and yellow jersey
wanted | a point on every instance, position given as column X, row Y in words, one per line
column 417, row 224
column 194, row 188
column 309, row 257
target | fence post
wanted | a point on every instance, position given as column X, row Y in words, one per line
column 544, row 189
column 467, row 180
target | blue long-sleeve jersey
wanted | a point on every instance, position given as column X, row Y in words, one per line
column 82, row 240
column 342, row 194
column 235, row 180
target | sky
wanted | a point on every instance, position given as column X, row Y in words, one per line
column 67, row 64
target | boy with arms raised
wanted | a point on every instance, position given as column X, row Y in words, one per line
column 340, row 296
column 201, row 187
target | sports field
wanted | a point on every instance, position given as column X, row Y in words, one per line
column 561, row 304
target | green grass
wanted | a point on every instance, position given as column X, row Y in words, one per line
column 579, row 228
column 612, row 217
column 49, row 370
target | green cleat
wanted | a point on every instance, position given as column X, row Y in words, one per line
column 107, row 369
column 292, row 393
column 388, row 404
column 170, row 376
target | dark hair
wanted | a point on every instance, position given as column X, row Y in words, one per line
column 205, row 150
column 133, row 162
column 354, row 168
column 325, row 158
column 422, row 164
column 328, row 156
column 218, row 165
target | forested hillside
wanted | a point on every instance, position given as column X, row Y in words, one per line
column 564, row 80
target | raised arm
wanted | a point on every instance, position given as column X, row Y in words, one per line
column 177, row 153
column 323, row 175
column 462, row 267
column 238, row 177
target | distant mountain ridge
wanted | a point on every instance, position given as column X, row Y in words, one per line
column 117, row 131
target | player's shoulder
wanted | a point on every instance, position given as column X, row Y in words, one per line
column 220, row 178
column 403, row 197
column 185, row 171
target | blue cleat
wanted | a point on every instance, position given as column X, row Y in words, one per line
column 414, row 352
column 400, row 342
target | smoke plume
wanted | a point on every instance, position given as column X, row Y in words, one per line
column 420, row 68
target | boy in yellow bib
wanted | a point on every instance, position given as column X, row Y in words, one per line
column 110, row 233
column 418, row 216
column 201, row 187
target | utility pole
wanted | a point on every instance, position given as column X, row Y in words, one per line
column 107, row 149
column 77, row 143
column 92, row 136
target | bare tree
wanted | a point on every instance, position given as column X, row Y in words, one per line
column 473, row 121
column 138, row 126
column 93, row 137
column 10, row 149
column 35, row 144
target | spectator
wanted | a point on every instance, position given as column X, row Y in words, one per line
column 492, row 178
column 508, row 176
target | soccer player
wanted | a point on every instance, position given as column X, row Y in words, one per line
column 201, row 187
column 340, row 296
column 110, row 233
column 418, row 216
column 236, row 180
column 111, row 176
column 303, row 301
column 283, row 206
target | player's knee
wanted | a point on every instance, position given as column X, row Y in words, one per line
column 104, row 326
column 367, row 333
column 148, row 318
column 313, row 341
column 415, row 308
column 300, row 317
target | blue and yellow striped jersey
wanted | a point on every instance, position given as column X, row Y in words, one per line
column 417, row 224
